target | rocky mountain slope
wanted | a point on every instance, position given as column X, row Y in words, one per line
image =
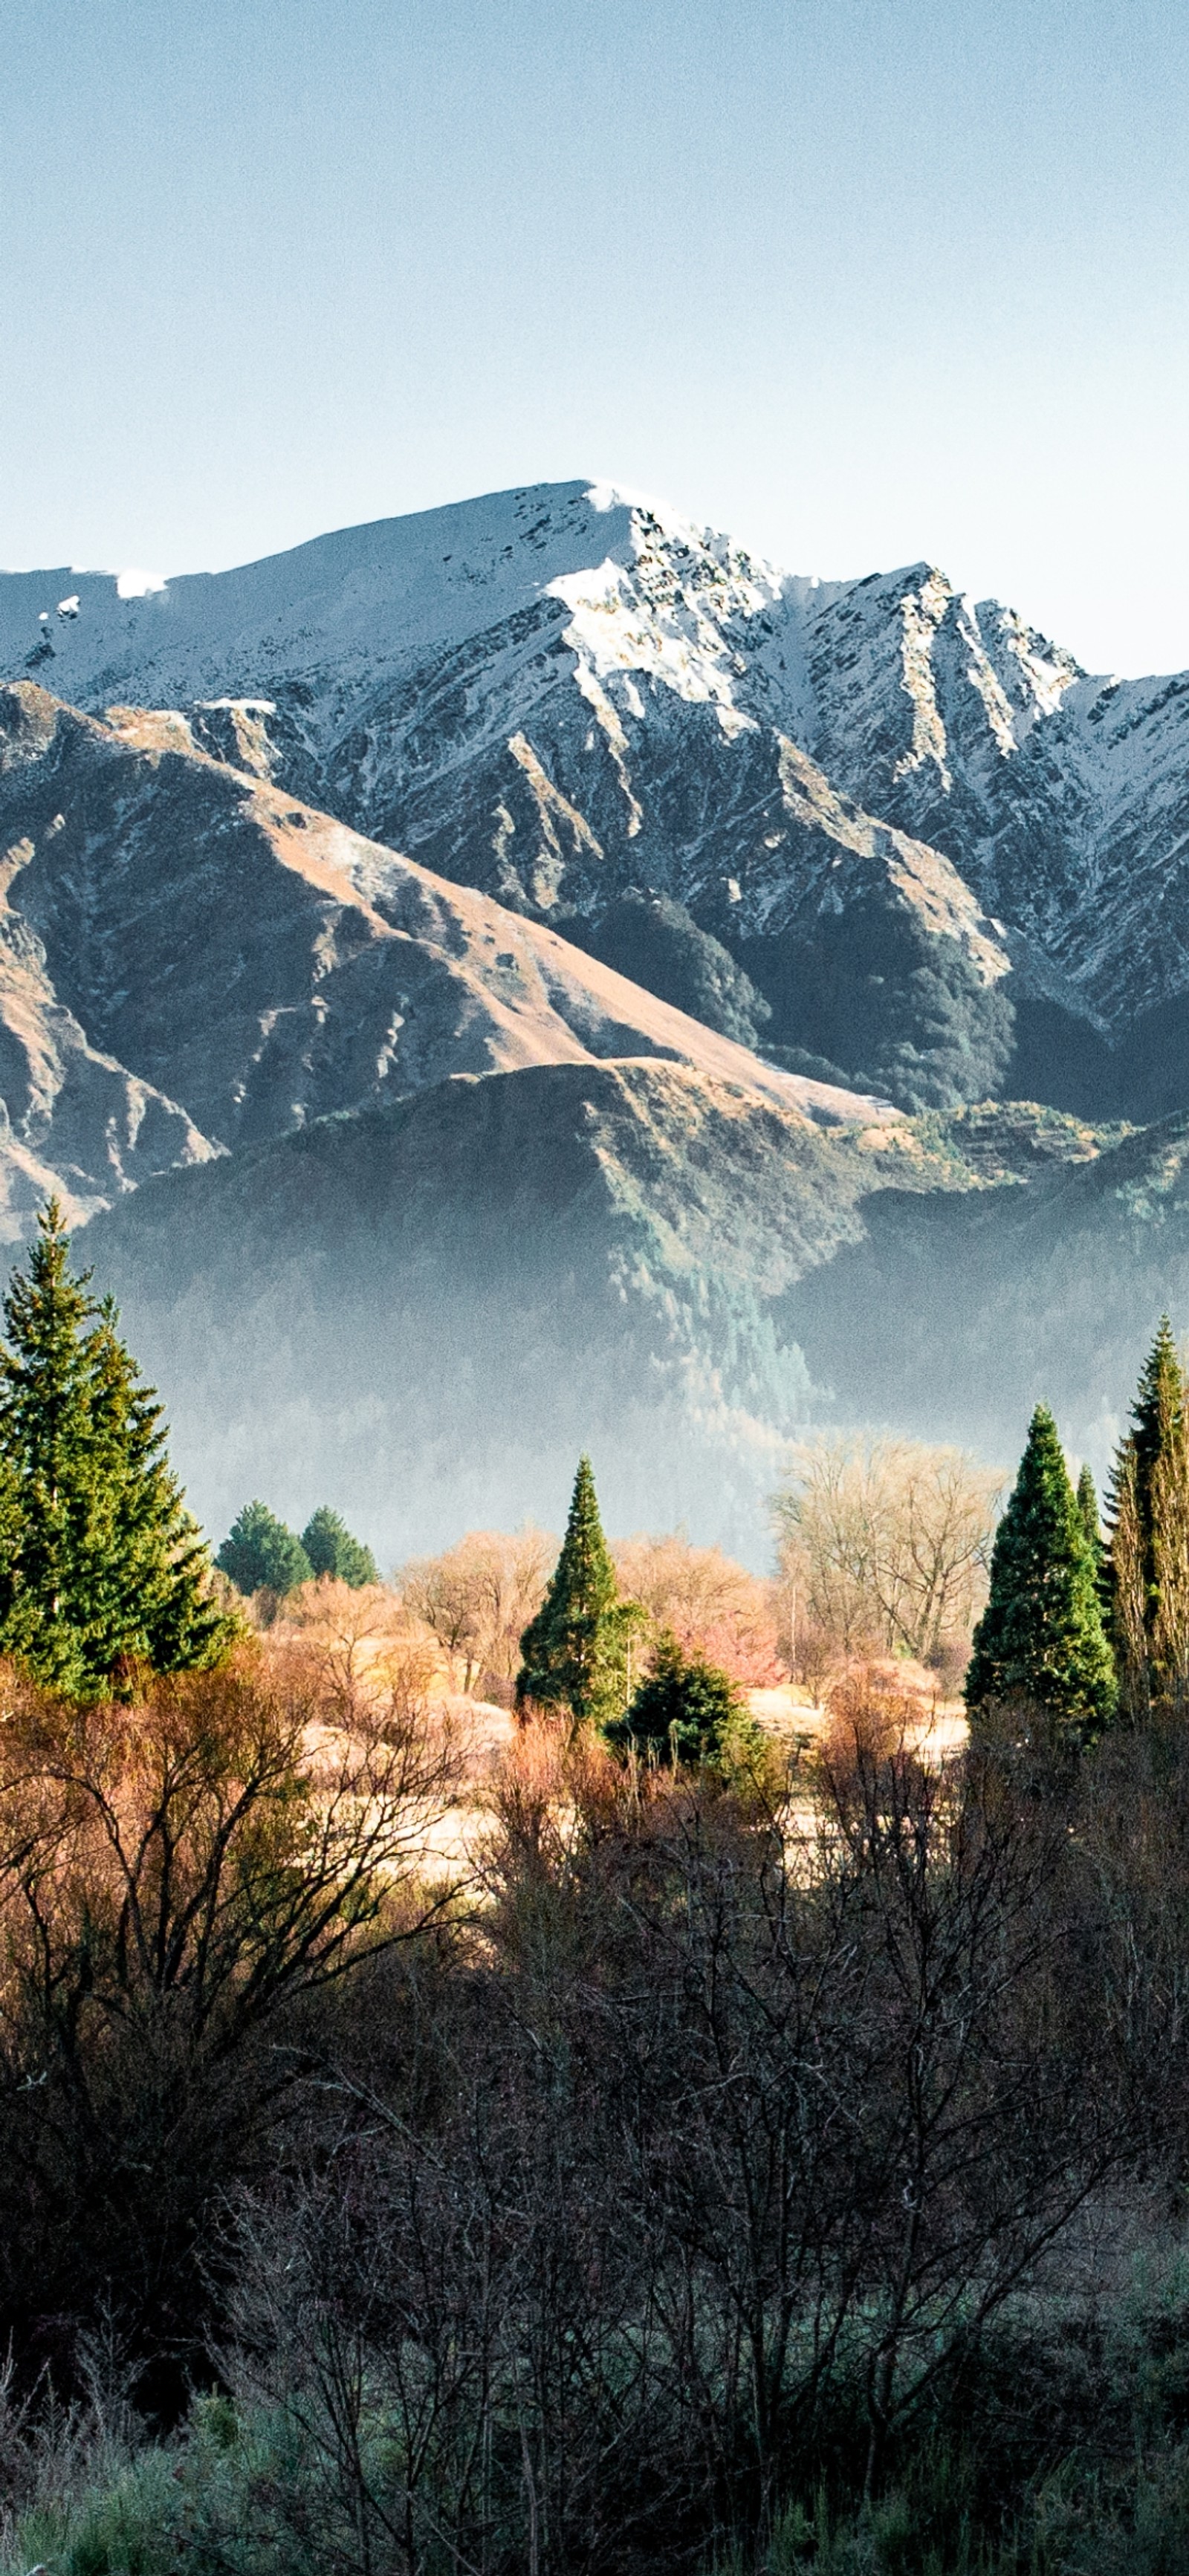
column 557, row 693
column 347, row 903
column 191, row 960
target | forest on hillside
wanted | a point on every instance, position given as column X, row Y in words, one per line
column 571, row 2056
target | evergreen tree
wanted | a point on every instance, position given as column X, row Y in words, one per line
column 1040, row 1640
column 101, row 1566
column 1148, row 1572
column 684, row 1710
column 331, row 1549
column 1087, row 1500
column 574, row 1653
column 261, row 1553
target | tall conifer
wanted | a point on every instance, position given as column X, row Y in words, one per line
column 1148, row 1573
column 101, row 1565
column 574, row 1653
column 1087, row 1499
column 1040, row 1641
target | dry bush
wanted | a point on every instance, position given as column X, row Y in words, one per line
column 710, row 2130
column 714, row 1607
column 182, row 1880
column 872, row 1720
column 477, row 1600
column 364, row 1646
column 885, row 1544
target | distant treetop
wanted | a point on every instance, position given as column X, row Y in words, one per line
column 261, row 1553
column 332, row 1550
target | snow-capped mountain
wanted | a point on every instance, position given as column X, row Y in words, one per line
column 315, row 881
column 557, row 693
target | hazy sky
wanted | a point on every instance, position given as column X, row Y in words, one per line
column 861, row 280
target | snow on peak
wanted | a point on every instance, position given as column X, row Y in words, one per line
column 135, row 584
column 666, row 612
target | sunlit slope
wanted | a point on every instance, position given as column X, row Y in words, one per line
column 191, row 959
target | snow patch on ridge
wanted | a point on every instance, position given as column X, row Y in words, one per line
column 663, row 615
column 921, row 614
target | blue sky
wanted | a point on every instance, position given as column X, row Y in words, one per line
column 862, row 280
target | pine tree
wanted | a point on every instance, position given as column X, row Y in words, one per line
column 332, row 1550
column 684, row 1709
column 101, row 1566
column 262, row 1554
column 574, row 1653
column 1148, row 1573
column 1040, row 1641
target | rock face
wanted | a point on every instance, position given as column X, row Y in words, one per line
column 556, row 694
column 178, row 932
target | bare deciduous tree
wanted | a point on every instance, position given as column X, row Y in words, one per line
column 180, row 1880
column 888, row 1541
column 364, row 1645
column 478, row 1598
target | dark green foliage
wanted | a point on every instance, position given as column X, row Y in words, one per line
column 684, row 1710
column 1159, row 1406
column 331, row 1549
column 1040, row 1641
column 102, row 1566
column 1087, row 1500
column 816, row 1068
column 1148, row 1575
column 902, row 1010
column 262, row 1554
column 574, row 1653
column 659, row 945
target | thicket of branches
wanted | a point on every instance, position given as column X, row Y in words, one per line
column 885, row 1548
column 700, row 2147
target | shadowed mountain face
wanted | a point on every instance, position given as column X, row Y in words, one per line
column 432, row 1308
column 556, row 695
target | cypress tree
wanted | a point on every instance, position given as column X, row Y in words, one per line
column 331, row 1549
column 1040, row 1640
column 1148, row 1572
column 101, row 1566
column 574, row 1653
